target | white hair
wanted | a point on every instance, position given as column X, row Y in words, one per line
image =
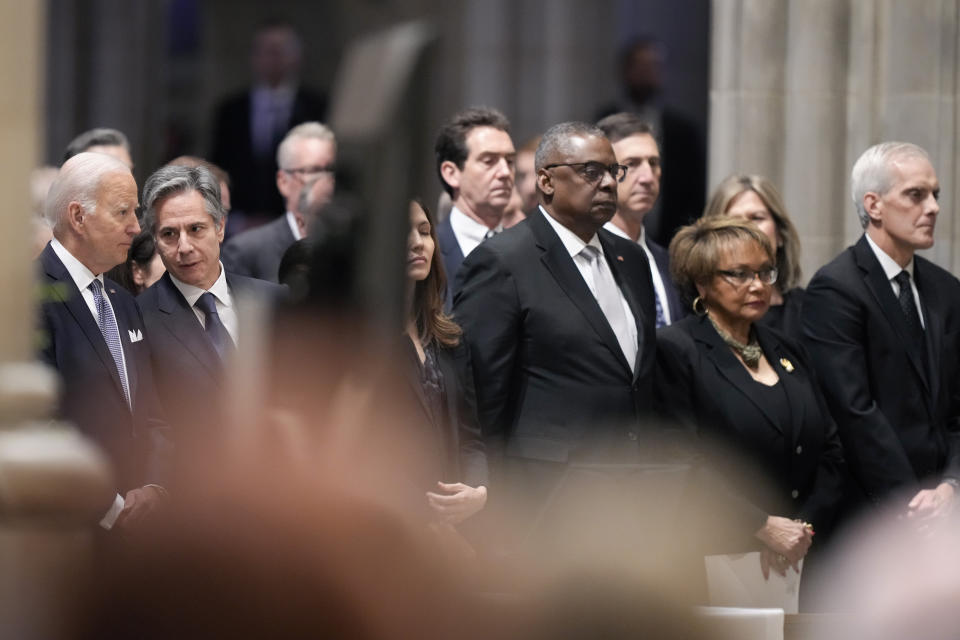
column 872, row 171
column 301, row 132
column 78, row 181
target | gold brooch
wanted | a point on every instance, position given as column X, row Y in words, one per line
column 786, row 364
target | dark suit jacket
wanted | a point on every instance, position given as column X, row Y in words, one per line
column 552, row 381
column 662, row 259
column 787, row 318
column 452, row 257
column 798, row 466
column 253, row 177
column 897, row 417
column 137, row 442
column 188, row 371
column 256, row 253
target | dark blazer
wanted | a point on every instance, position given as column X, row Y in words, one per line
column 188, row 371
column 452, row 257
column 256, row 253
column 461, row 452
column 786, row 318
column 253, row 177
column 137, row 442
column 662, row 259
column 552, row 382
column 798, row 466
column 895, row 405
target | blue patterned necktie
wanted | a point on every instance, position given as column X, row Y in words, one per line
column 213, row 326
column 111, row 335
column 661, row 319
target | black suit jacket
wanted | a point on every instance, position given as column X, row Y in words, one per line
column 253, row 177
column 452, row 257
column 136, row 441
column 552, row 381
column 188, row 371
column 897, row 416
column 798, row 466
column 256, row 253
column 662, row 259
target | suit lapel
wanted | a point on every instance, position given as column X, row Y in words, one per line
column 67, row 292
column 728, row 365
column 183, row 324
column 879, row 286
column 931, row 302
column 786, row 367
column 124, row 324
column 560, row 265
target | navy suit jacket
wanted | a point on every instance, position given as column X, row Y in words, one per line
column 662, row 259
column 452, row 257
column 137, row 442
column 188, row 371
column 256, row 253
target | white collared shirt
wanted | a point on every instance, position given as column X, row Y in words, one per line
column 225, row 304
column 294, row 227
column 658, row 286
column 891, row 269
column 468, row 232
column 574, row 246
column 82, row 277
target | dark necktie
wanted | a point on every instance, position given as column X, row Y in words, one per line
column 661, row 319
column 111, row 335
column 909, row 307
column 213, row 326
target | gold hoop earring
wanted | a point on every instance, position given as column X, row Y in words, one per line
column 702, row 310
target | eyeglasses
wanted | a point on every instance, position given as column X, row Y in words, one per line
column 593, row 172
column 310, row 172
column 743, row 277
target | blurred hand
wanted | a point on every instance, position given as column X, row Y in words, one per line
column 932, row 503
column 770, row 559
column 785, row 537
column 456, row 502
column 138, row 505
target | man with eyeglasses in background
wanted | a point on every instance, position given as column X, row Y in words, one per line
column 306, row 155
column 637, row 149
column 559, row 317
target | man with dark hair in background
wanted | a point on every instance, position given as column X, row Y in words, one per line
column 101, row 140
column 475, row 162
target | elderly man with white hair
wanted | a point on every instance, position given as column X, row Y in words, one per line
column 93, row 332
column 883, row 328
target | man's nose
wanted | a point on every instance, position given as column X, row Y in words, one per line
column 134, row 227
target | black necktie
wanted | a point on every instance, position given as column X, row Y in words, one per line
column 909, row 307
column 214, row 328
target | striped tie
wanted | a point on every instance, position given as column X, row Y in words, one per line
column 108, row 327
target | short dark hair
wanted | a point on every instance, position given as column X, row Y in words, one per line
column 100, row 137
column 556, row 140
column 452, row 139
column 623, row 125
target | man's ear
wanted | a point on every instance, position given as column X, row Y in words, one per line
column 873, row 206
column 545, row 182
column 75, row 217
column 450, row 174
column 137, row 272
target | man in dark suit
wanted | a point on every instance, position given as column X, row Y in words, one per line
column 559, row 314
column 94, row 335
column 475, row 162
column 883, row 328
column 637, row 149
column 191, row 312
column 248, row 126
column 306, row 157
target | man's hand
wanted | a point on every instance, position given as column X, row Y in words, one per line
column 932, row 503
column 138, row 505
column 787, row 538
column 457, row 502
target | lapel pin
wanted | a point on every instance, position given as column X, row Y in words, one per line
column 787, row 365
column 620, row 258
column 113, row 290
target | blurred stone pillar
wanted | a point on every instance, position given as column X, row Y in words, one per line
column 800, row 88
column 51, row 481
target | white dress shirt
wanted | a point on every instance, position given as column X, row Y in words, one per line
column 294, row 227
column 658, row 285
column 226, row 308
column 574, row 246
column 892, row 270
column 468, row 232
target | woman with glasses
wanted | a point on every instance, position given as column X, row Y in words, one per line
column 754, row 198
column 749, row 395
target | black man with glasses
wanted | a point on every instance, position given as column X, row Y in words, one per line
column 559, row 316
column 774, row 463
column 305, row 179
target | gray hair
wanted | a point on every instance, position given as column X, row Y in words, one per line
column 172, row 180
column 78, row 181
column 872, row 171
column 100, row 137
column 556, row 141
column 301, row 132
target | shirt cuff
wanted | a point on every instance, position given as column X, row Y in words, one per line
column 111, row 516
